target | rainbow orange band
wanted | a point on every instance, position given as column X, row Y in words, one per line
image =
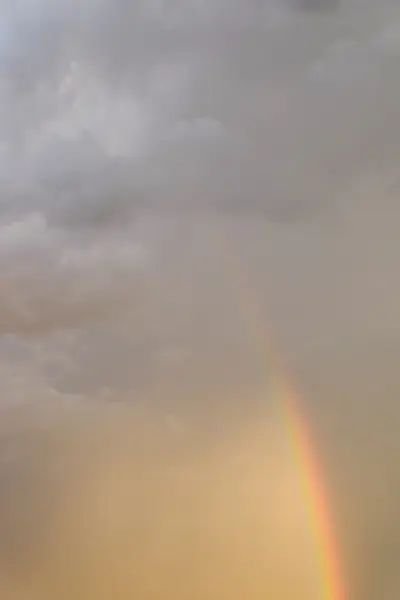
column 316, row 502
column 311, row 479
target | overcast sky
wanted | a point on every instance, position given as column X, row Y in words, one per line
column 131, row 132
column 168, row 168
column 158, row 157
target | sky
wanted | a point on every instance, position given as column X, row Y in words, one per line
column 158, row 157
column 125, row 127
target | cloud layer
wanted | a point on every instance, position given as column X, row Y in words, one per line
column 262, row 108
column 111, row 111
column 117, row 120
column 126, row 129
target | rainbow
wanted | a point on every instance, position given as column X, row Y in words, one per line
column 331, row 580
column 315, row 498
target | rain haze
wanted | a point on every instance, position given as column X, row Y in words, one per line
column 177, row 179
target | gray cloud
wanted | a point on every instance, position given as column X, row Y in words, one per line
column 316, row 5
column 111, row 111
column 51, row 279
column 113, row 108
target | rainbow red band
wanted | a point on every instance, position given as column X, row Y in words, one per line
column 331, row 581
column 316, row 502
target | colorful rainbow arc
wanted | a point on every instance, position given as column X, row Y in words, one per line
column 311, row 480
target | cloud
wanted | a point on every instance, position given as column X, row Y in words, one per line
column 50, row 280
column 316, row 5
column 252, row 108
column 112, row 111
